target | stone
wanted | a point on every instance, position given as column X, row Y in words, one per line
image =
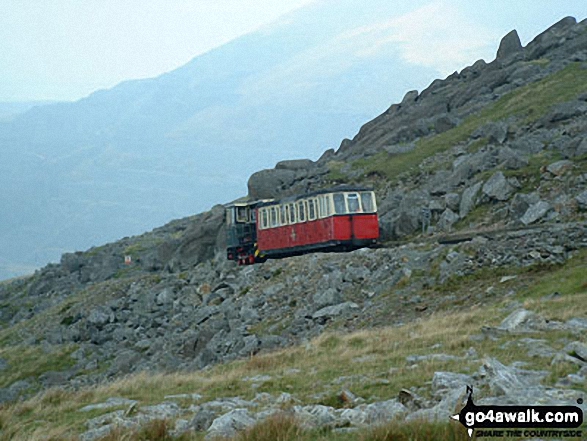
column 521, row 202
column 559, row 168
column 523, row 320
column 328, row 297
column 109, row 404
column 267, row 184
column 295, row 164
column 504, row 380
column 164, row 297
column 511, row 159
column 497, row 187
column 229, row 424
column 565, row 111
column 100, row 317
column 444, row 123
column 409, row 97
column 384, row 411
column 469, row 199
column 314, row 416
column 581, row 199
column 335, row 310
column 443, row 381
column 577, row 324
column 452, row 201
column 577, row 349
column 447, row 219
column 535, row 212
column 510, row 44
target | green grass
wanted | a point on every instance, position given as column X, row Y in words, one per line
column 26, row 362
column 335, row 173
column 529, row 102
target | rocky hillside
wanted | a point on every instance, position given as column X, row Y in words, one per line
column 496, row 154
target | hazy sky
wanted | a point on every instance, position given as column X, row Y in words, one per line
column 65, row 49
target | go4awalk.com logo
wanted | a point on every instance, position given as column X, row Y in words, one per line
column 520, row 421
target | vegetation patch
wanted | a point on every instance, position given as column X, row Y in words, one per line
column 26, row 362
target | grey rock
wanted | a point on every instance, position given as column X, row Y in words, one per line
column 452, row 201
column 559, row 168
column 521, row 202
column 266, row 184
column 581, row 199
column 511, row 159
column 576, row 324
column 409, row 97
column 399, row 148
column 535, row 212
column 510, row 44
column 15, row 390
column 444, row 123
column 162, row 411
column 328, row 297
column 100, row 317
column 443, row 381
column 164, row 297
column 452, row 400
column 124, row 362
column 335, row 310
column 497, row 187
column 469, row 199
column 295, row 164
column 109, row 404
column 230, row 424
column 202, row 419
column 577, row 349
column 507, row 380
column 523, row 320
column 384, row 411
column 315, row 415
column 447, row 219
column 565, row 111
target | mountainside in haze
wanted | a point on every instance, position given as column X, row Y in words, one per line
column 125, row 160
column 491, row 293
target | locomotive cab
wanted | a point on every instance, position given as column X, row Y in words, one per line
column 241, row 233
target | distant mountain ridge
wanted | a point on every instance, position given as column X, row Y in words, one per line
column 125, row 160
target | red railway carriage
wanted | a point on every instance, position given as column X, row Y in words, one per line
column 331, row 220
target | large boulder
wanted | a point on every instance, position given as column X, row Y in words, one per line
column 497, row 187
column 199, row 241
column 267, row 184
column 509, row 45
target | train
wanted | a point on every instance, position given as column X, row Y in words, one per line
column 338, row 219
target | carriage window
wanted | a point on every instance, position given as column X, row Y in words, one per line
column 264, row 220
column 282, row 214
column 301, row 211
column 292, row 213
column 273, row 217
column 242, row 214
column 311, row 209
column 368, row 202
column 339, row 205
column 328, row 204
column 353, row 202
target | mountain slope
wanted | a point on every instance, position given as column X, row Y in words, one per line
column 496, row 153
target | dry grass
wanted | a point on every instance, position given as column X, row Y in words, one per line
column 371, row 363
